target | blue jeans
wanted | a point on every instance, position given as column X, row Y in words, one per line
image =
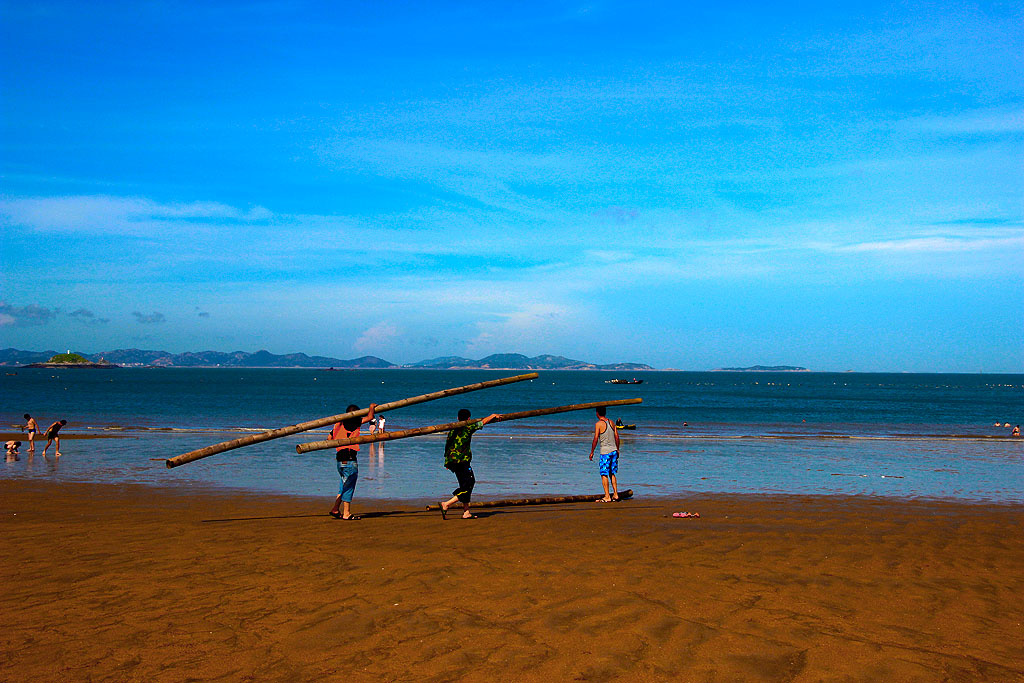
column 349, row 471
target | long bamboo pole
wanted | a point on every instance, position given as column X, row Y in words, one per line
column 324, row 421
column 551, row 500
column 422, row 431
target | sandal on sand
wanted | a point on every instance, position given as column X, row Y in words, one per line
column 602, row 500
column 350, row 518
column 685, row 514
column 335, row 514
column 444, row 511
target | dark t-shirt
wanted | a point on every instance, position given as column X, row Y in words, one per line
column 456, row 447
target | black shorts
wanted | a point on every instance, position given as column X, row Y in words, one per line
column 464, row 473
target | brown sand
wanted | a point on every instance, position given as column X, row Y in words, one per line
column 137, row 584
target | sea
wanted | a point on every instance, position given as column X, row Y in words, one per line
column 906, row 436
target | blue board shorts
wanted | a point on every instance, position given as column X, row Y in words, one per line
column 609, row 463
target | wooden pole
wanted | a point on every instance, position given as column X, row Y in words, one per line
column 552, row 500
column 422, row 431
column 324, row 421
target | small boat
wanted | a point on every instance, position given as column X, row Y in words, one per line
column 624, row 381
column 625, row 426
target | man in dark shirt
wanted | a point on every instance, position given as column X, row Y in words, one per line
column 457, row 458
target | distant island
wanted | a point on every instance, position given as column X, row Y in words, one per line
column 764, row 368
column 72, row 360
column 265, row 359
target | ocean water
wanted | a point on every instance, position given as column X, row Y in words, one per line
column 891, row 435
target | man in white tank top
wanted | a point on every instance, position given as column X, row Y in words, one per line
column 607, row 435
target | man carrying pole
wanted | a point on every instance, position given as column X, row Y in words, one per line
column 458, row 458
column 608, row 436
column 348, row 466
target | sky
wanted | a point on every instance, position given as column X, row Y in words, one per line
column 838, row 186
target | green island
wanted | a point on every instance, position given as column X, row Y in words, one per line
column 72, row 360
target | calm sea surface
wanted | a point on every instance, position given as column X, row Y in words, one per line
column 893, row 435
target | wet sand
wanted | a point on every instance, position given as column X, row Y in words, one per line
column 109, row 582
column 23, row 438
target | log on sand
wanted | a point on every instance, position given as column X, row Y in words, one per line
column 422, row 431
column 549, row 500
column 324, row 421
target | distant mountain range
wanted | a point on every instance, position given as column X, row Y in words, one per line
column 265, row 359
column 765, row 368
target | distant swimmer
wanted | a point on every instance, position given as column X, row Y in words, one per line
column 31, row 427
column 1006, row 424
column 53, row 434
column 1016, row 431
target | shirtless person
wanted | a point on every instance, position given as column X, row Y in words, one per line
column 606, row 433
column 53, row 434
column 31, row 427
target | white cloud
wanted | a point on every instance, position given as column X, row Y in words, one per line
column 377, row 338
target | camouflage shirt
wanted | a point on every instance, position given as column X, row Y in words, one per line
column 456, row 448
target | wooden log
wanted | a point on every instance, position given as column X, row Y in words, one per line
column 423, row 431
column 550, row 500
column 324, row 421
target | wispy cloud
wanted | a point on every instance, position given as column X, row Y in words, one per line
column 118, row 215
column 87, row 317
column 25, row 316
column 149, row 318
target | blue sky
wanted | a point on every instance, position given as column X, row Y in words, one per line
column 686, row 185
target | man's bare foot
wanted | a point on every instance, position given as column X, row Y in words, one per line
column 468, row 516
column 58, row 454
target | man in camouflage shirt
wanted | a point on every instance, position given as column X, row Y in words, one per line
column 458, row 458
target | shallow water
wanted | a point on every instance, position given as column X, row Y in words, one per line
column 905, row 436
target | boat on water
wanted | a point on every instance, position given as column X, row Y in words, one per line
column 624, row 381
column 625, row 426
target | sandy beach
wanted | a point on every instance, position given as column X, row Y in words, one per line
column 110, row 582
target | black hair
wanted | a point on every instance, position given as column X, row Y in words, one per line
column 600, row 411
column 352, row 422
column 463, row 414
column 63, row 422
column 17, row 444
column 27, row 416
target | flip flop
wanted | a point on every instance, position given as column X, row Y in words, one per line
column 336, row 515
column 444, row 513
column 350, row 518
column 684, row 515
column 602, row 500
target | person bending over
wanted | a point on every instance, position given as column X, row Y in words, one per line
column 53, row 434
